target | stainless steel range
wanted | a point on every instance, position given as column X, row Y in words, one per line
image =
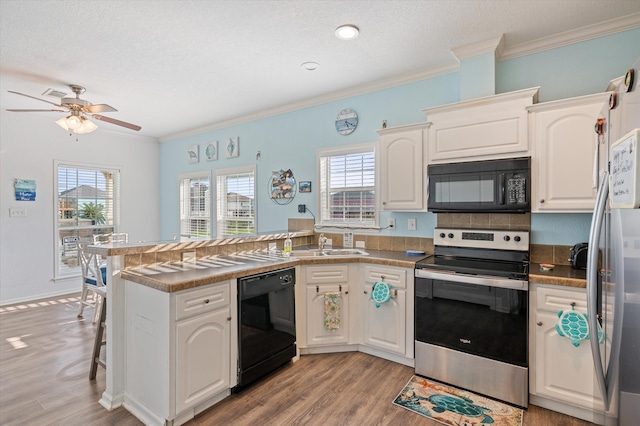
column 471, row 304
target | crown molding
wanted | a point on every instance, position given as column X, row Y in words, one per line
column 363, row 89
column 571, row 37
column 474, row 49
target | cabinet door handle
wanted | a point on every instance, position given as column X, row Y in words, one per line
column 539, row 323
column 228, row 318
column 206, row 301
column 365, row 292
column 542, row 201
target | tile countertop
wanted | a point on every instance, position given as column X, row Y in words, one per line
column 563, row 275
column 178, row 276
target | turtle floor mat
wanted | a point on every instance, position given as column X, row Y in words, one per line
column 452, row 406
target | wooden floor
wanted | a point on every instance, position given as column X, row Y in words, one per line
column 44, row 369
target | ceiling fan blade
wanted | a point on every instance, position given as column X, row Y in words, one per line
column 116, row 122
column 33, row 97
column 100, row 108
column 36, row 110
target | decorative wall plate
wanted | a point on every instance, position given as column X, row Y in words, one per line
column 628, row 79
column 346, row 121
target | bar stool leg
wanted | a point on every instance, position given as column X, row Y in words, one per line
column 97, row 344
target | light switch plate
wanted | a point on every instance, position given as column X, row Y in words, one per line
column 347, row 239
column 17, row 212
column 411, row 224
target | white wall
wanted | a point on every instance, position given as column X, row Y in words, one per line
column 29, row 144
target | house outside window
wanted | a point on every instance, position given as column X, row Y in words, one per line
column 348, row 187
column 87, row 204
column 195, row 205
column 235, row 201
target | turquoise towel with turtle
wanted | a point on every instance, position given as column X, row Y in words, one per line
column 574, row 325
column 381, row 292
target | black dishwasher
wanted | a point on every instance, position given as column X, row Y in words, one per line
column 266, row 324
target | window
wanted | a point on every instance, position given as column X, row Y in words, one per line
column 347, row 187
column 236, row 206
column 195, row 205
column 87, row 205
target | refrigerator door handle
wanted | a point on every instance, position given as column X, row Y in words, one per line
column 592, row 282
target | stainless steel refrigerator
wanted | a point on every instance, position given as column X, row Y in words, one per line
column 613, row 271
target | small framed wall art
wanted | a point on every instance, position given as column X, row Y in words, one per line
column 304, row 186
column 193, row 153
column 211, row 151
column 232, row 147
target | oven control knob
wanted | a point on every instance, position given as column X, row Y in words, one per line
column 442, row 235
column 516, row 238
column 450, row 235
column 506, row 238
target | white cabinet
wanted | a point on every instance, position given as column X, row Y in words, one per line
column 386, row 327
column 402, row 167
column 565, row 154
column 484, row 128
column 560, row 371
column 202, row 346
column 326, row 285
column 179, row 350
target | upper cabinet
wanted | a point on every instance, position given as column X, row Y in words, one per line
column 402, row 167
column 484, row 128
column 565, row 160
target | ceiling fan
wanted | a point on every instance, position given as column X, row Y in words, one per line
column 78, row 110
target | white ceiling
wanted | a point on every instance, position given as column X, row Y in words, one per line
column 174, row 67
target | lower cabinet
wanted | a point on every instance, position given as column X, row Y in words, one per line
column 385, row 331
column 179, row 349
column 387, row 326
column 326, row 302
column 560, row 371
column 202, row 358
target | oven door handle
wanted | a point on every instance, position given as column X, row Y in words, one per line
column 473, row 279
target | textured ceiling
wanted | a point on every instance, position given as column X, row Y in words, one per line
column 176, row 66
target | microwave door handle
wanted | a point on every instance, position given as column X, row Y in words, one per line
column 501, row 190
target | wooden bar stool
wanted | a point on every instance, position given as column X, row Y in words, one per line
column 99, row 342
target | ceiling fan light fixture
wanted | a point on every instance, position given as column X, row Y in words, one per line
column 87, row 126
column 62, row 123
column 347, row 32
column 74, row 122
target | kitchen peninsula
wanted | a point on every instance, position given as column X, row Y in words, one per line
column 157, row 290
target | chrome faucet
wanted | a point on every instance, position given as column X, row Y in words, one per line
column 322, row 240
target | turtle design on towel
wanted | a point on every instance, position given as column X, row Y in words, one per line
column 459, row 405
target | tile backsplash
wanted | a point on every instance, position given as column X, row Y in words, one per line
column 513, row 221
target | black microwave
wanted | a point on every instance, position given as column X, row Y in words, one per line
column 490, row 186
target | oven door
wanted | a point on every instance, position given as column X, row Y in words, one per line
column 479, row 315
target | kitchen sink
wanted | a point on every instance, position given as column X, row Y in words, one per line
column 328, row 252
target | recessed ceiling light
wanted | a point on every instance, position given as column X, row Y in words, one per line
column 310, row 66
column 347, row 32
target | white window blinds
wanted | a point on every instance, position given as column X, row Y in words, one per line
column 195, row 205
column 87, row 205
column 347, row 188
column 235, row 202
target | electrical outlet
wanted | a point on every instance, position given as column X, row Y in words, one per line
column 360, row 244
column 411, row 224
column 392, row 223
column 302, row 208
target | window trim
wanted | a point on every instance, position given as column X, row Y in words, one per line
column 250, row 168
column 346, row 150
column 116, row 170
column 193, row 175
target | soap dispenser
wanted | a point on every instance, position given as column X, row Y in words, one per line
column 287, row 247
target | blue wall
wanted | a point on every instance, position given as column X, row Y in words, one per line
column 291, row 140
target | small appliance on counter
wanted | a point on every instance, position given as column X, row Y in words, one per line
column 578, row 256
